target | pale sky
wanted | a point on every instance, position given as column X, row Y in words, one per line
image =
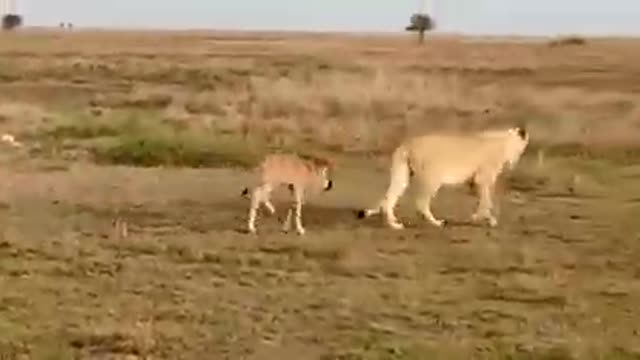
column 502, row 17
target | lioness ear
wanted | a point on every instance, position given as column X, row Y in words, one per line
column 522, row 132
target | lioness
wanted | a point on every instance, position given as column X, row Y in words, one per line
column 298, row 173
column 437, row 160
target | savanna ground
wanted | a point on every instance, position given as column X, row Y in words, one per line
column 158, row 129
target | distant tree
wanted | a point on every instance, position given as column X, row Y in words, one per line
column 568, row 41
column 421, row 23
column 67, row 25
column 11, row 21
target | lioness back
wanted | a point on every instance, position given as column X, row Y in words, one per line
column 451, row 158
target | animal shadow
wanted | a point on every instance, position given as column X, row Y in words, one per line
column 419, row 222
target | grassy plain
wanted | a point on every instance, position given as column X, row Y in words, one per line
column 159, row 128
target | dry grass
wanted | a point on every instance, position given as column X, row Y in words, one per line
column 556, row 280
column 305, row 92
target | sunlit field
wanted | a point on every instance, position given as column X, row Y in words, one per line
column 159, row 130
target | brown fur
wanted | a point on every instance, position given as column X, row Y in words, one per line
column 298, row 173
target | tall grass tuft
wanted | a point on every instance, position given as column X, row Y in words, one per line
column 144, row 139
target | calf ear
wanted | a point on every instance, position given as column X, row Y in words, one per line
column 332, row 162
column 327, row 161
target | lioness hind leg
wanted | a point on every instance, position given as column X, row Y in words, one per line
column 398, row 185
column 398, row 182
column 428, row 192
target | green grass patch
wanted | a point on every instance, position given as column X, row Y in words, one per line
column 140, row 138
column 182, row 149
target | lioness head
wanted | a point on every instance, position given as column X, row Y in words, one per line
column 517, row 142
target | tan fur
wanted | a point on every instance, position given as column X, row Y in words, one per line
column 438, row 160
column 299, row 173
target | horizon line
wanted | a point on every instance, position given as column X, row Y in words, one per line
column 434, row 33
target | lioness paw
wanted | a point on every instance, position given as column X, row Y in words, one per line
column 439, row 223
column 396, row 226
